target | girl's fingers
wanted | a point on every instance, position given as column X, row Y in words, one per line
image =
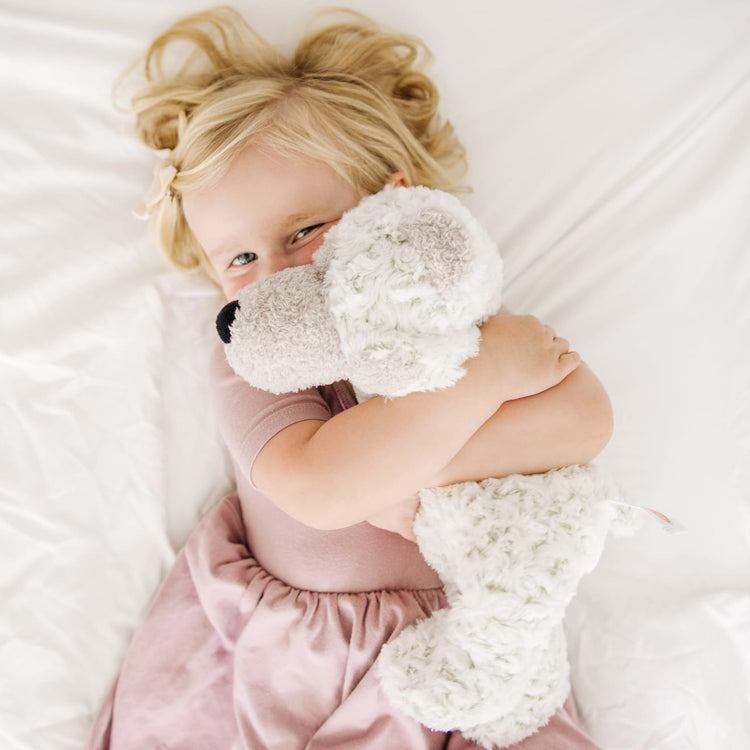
column 562, row 344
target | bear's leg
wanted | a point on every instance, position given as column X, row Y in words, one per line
column 510, row 553
column 546, row 691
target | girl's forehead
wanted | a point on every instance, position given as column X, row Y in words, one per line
column 259, row 170
column 263, row 190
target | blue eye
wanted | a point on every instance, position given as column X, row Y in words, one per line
column 244, row 259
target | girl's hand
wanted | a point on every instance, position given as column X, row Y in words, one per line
column 398, row 518
column 525, row 355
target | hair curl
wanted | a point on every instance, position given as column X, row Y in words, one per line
column 351, row 96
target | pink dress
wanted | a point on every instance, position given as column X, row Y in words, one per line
column 265, row 632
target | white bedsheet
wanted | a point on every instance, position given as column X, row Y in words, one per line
column 610, row 151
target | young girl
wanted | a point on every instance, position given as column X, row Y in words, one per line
column 265, row 633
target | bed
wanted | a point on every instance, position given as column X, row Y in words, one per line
column 610, row 154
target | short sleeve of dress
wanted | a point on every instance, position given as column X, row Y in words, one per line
column 248, row 417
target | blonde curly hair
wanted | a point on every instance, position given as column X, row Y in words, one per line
column 350, row 95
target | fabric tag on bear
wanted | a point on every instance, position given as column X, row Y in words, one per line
column 668, row 524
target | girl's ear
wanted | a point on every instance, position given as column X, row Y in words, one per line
column 398, row 179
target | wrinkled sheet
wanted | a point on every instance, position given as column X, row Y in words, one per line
column 611, row 161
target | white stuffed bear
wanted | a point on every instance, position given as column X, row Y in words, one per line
column 393, row 302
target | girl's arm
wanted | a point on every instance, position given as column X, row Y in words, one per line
column 336, row 473
column 567, row 424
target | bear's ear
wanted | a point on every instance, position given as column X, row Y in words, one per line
column 443, row 243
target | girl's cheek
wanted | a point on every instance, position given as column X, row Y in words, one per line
column 306, row 253
column 232, row 286
column 231, row 289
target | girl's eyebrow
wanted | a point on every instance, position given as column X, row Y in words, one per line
column 303, row 217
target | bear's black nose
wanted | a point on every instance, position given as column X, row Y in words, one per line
column 224, row 320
